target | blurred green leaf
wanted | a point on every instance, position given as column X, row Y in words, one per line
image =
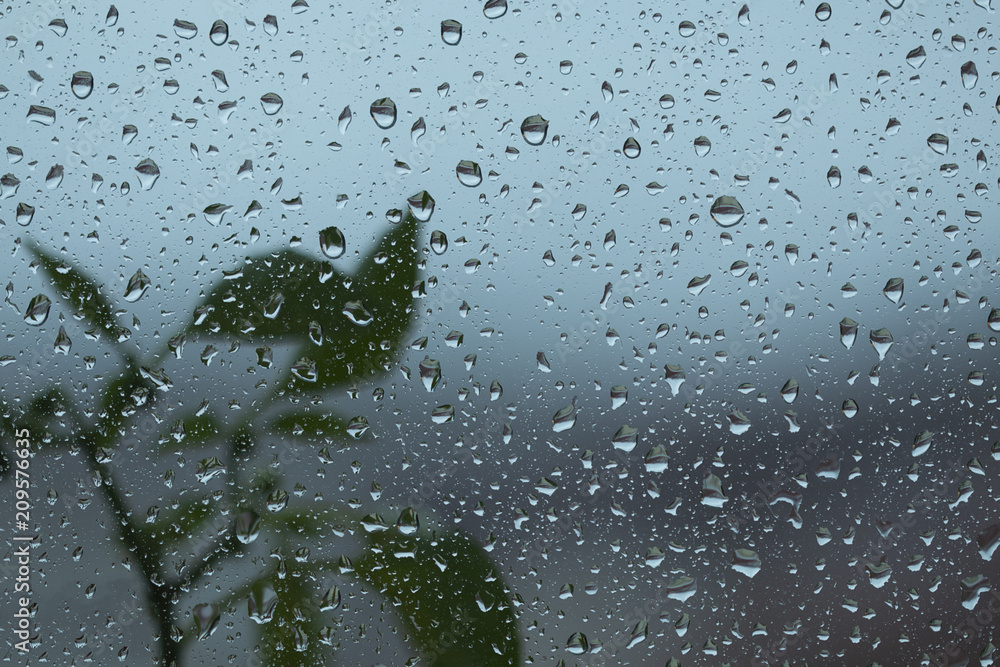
column 459, row 615
column 247, row 307
column 76, row 288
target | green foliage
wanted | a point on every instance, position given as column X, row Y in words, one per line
column 449, row 595
column 312, row 291
column 76, row 288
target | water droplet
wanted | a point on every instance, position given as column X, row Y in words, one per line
column 746, row 562
column 383, row 112
column 922, row 442
column 357, row 427
column 271, row 103
column 702, row 146
column 185, row 29
column 970, row 75
column 565, row 66
column 41, row 115
column 823, row 11
column 833, row 177
column 739, row 423
column 790, row 391
column 938, row 143
column 881, row 340
column 208, row 469
column 848, row 332
column 607, row 91
column 686, row 28
column 993, row 321
column 247, row 527
column 631, row 149
column 675, row 377
column 262, row 603
column 112, row 17
column 626, row 438
column 421, row 206
column 219, row 33
column 494, row 9
column 137, row 286
column 82, row 84
column 893, row 289
column 451, row 32
column 439, row 242
column 25, row 214
column 63, row 343
column 916, row 57
column 469, row 173
column 344, row 120
column 418, row 130
column 273, row 305
column 443, row 414
column 147, row 172
column 850, row 408
column 619, row 396
column 430, row 373
column 726, row 211
column 331, row 600
column 357, row 313
column 565, row 418
column 38, row 310
column 534, row 129
column 332, row 242
column 206, row 620
column 578, row 644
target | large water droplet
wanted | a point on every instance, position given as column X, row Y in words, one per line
column 726, row 211
column 881, row 340
column 430, row 373
column 916, row 57
column 185, row 29
column 82, row 84
column 137, row 286
column 271, row 103
column 38, row 310
column 332, row 242
column 686, row 28
column 469, row 173
column 439, row 242
column 848, row 332
column 893, row 289
column 970, row 75
column 564, row 419
column 41, row 115
column 357, row 313
column 938, row 143
column 421, row 206
column 383, row 112
column 344, row 121
column 534, row 129
column 206, row 620
column 147, row 172
column 451, row 32
column 262, row 602
column 823, row 11
column 494, row 9
column 702, row 146
column 631, row 149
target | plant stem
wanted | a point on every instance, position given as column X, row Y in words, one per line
column 158, row 597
